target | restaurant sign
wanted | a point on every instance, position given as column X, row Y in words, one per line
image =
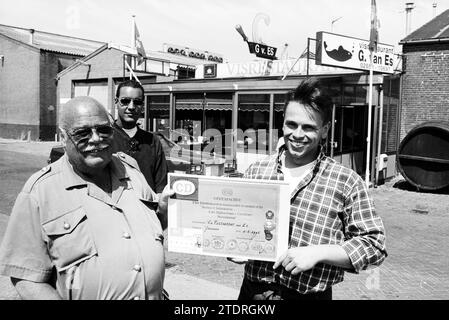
column 347, row 52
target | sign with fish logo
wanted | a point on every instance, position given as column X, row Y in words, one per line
column 352, row 53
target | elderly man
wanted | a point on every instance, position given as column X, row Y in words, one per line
column 142, row 145
column 333, row 225
column 87, row 226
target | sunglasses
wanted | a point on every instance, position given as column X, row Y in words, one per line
column 127, row 101
column 84, row 134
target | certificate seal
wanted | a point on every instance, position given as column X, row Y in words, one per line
column 269, row 248
column 256, row 246
column 206, row 243
column 231, row 245
column 217, row 244
column 243, row 246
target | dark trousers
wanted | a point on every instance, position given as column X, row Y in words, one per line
column 257, row 290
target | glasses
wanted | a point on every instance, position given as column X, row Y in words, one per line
column 84, row 134
column 127, row 101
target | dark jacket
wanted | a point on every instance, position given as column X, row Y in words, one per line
column 146, row 148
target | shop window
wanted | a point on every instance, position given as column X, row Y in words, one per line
column 350, row 128
column 159, row 114
column 253, row 123
column 203, row 121
column 185, row 72
column 278, row 120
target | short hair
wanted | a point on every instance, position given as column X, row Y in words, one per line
column 129, row 83
column 311, row 93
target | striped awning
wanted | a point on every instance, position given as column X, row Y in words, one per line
column 256, row 107
column 279, row 107
column 159, row 107
column 208, row 106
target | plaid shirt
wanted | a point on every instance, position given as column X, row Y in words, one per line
column 330, row 205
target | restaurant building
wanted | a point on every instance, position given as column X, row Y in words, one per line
column 235, row 110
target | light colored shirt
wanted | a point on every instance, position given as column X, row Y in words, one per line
column 294, row 175
column 66, row 231
column 130, row 132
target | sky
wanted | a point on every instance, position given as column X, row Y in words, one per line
column 210, row 24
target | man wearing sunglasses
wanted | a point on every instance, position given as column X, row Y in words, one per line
column 88, row 225
column 143, row 146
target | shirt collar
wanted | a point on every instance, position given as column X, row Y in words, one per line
column 282, row 148
column 72, row 179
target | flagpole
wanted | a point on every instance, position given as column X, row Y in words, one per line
column 133, row 31
column 368, row 138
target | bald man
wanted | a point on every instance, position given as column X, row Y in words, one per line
column 88, row 226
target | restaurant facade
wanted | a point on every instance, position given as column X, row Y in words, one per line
column 240, row 108
column 235, row 110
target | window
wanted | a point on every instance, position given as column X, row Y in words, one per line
column 159, row 114
column 253, row 122
column 278, row 121
column 350, row 128
column 203, row 119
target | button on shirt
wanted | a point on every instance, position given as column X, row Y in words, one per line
column 330, row 205
column 94, row 246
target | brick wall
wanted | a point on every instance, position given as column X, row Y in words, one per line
column 19, row 90
column 425, row 89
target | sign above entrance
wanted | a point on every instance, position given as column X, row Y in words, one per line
column 346, row 52
column 262, row 50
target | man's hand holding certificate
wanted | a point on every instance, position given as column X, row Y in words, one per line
column 229, row 217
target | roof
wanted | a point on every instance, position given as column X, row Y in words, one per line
column 152, row 55
column 436, row 30
column 51, row 41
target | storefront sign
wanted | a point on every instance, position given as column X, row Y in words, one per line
column 262, row 50
column 193, row 53
column 269, row 68
column 346, row 52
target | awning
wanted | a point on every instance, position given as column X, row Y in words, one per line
column 159, row 107
column 189, row 106
column 279, row 107
column 218, row 106
column 254, row 107
column 208, row 106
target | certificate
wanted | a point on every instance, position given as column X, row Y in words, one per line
column 229, row 217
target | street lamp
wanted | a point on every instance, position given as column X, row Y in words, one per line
column 332, row 23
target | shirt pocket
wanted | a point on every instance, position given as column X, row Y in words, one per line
column 69, row 239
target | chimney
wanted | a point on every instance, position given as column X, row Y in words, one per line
column 409, row 6
column 434, row 5
column 31, row 36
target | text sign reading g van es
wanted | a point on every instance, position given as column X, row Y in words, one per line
column 346, row 52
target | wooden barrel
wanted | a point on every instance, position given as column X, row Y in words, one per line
column 423, row 156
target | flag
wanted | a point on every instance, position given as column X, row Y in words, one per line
column 374, row 32
column 139, row 45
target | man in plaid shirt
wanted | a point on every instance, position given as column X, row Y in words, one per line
column 333, row 225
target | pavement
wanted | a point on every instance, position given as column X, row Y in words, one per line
column 417, row 225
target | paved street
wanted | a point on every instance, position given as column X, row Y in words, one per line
column 417, row 227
